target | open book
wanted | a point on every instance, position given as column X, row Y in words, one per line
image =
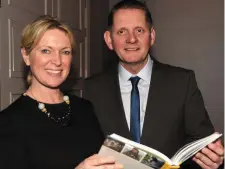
column 134, row 155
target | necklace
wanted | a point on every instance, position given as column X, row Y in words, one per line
column 63, row 119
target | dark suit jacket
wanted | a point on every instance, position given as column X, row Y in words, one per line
column 175, row 112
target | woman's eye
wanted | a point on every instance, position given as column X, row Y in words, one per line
column 46, row 51
column 67, row 52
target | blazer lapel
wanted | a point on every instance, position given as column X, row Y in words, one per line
column 119, row 118
column 149, row 128
column 149, row 131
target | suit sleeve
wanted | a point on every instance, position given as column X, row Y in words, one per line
column 197, row 121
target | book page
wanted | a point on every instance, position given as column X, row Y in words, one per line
column 192, row 148
column 142, row 147
column 129, row 163
column 132, row 157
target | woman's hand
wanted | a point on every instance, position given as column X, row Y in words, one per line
column 99, row 162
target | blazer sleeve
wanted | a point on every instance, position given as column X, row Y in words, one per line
column 197, row 121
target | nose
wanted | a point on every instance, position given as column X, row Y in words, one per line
column 57, row 59
column 132, row 38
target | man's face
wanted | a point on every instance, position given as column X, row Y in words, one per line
column 130, row 37
column 135, row 151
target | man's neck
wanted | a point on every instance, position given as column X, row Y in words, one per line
column 134, row 68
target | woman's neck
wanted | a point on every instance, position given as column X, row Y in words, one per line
column 45, row 95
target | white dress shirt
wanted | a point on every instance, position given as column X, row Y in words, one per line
column 143, row 87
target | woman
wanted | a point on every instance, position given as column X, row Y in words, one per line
column 45, row 128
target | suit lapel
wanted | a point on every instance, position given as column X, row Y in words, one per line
column 149, row 128
column 119, row 118
column 149, row 131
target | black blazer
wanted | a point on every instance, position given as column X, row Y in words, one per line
column 175, row 112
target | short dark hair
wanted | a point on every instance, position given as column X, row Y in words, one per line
column 130, row 4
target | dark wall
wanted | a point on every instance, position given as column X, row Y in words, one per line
column 190, row 34
column 98, row 24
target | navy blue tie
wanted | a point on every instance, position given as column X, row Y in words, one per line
column 135, row 110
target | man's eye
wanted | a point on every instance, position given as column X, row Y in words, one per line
column 121, row 32
column 140, row 30
column 46, row 51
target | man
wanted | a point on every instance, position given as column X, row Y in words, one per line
column 171, row 107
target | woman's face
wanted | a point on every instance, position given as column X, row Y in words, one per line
column 50, row 59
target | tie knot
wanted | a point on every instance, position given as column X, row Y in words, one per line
column 134, row 80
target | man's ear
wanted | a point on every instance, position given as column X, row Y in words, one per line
column 26, row 57
column 152, row 34
column 108, row 39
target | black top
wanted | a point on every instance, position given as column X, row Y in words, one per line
column 29, row 139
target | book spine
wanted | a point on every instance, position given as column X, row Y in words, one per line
column 167, row 166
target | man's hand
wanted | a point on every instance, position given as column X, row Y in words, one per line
column 210, row 157
column 99, row 162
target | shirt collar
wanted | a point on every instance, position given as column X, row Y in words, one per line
column 144, row 74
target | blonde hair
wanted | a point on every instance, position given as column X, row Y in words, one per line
column 34, row 31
